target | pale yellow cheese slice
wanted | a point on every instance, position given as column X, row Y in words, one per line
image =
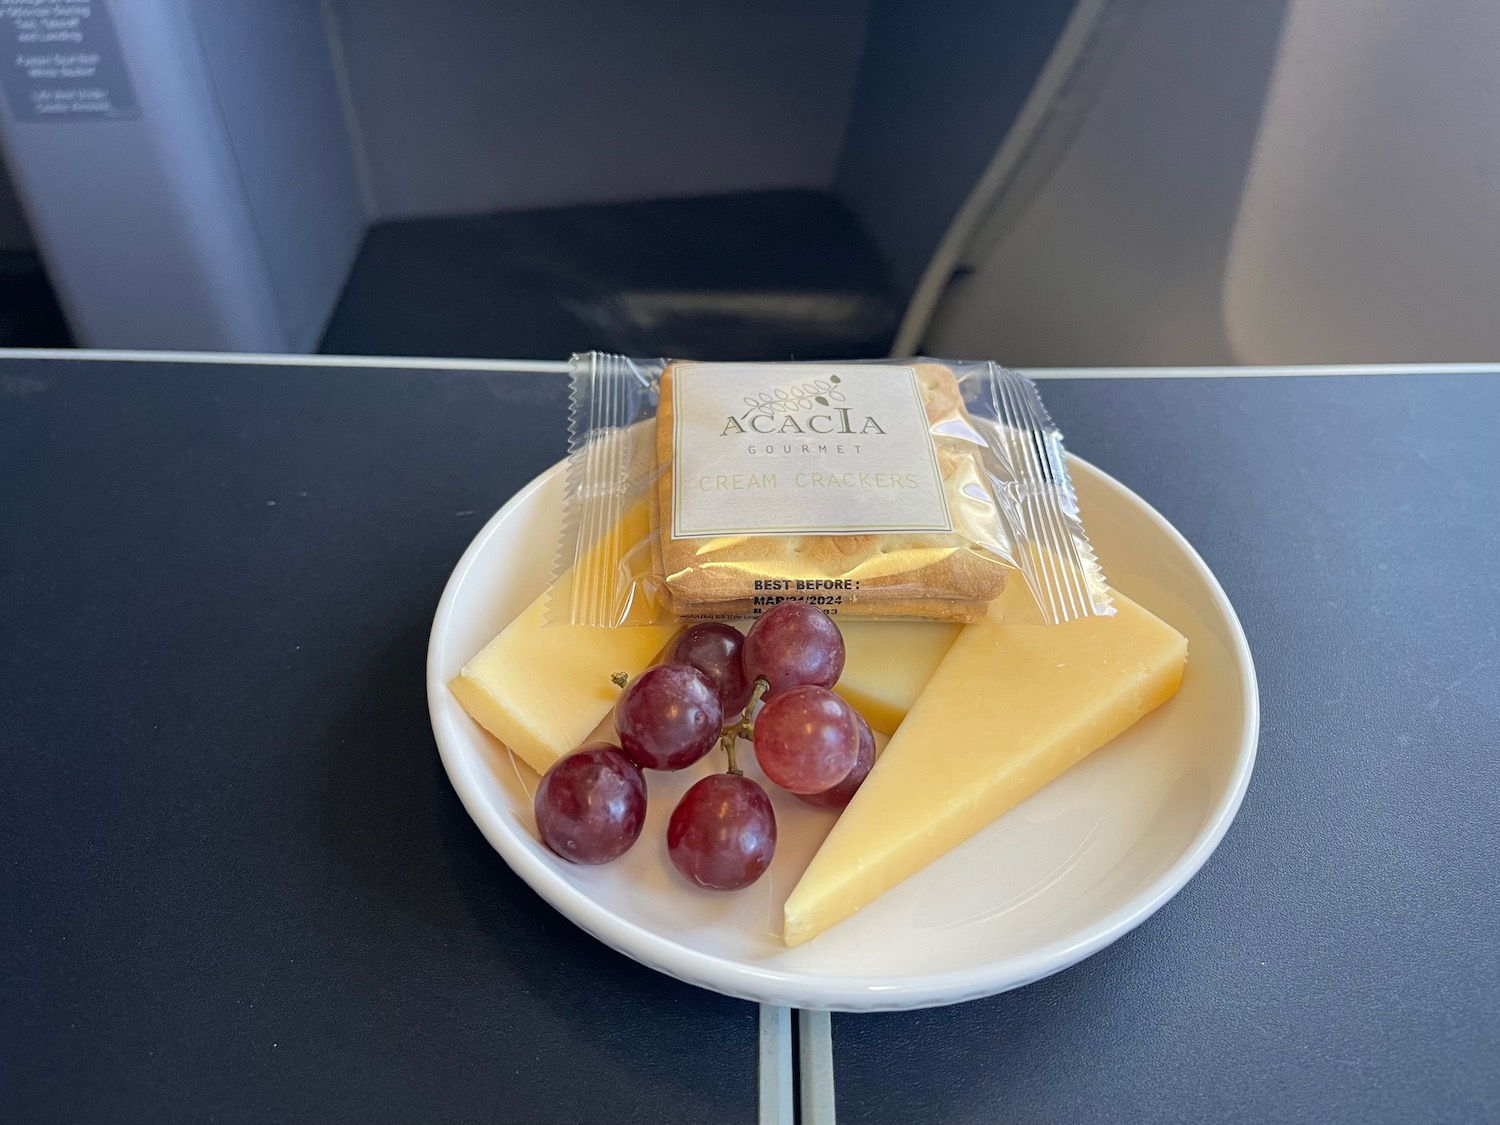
column 541, row 689
column 1011, row 707
column 888, row 663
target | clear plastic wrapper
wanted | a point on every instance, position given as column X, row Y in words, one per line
column 883, row 488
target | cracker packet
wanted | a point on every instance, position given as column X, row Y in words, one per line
column 872, row 489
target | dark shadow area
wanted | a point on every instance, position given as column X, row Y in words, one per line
column 760, row 275
column 30, row 316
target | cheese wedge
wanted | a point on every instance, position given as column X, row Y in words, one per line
column 1011, row 707
column 541, row 689
column 888, row 663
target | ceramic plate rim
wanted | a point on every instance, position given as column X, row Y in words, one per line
column 806, row 990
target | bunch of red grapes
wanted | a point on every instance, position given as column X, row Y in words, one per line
column 591, row 804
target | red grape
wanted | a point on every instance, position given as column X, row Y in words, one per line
column 668, row 717
column 591, row 804
column 714, row 649
column 722, row 833
column 794, row 644
column 840, row 794
column 806, row 739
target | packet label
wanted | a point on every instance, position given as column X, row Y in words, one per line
column 825, row 449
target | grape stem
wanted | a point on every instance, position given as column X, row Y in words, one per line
column 727, row 741
column 743, row 727
column 619, row 679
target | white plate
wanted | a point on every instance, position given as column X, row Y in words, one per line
column 1054, row 880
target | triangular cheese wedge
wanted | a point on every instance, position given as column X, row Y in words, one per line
column 541, row 689
column 1010, row 708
